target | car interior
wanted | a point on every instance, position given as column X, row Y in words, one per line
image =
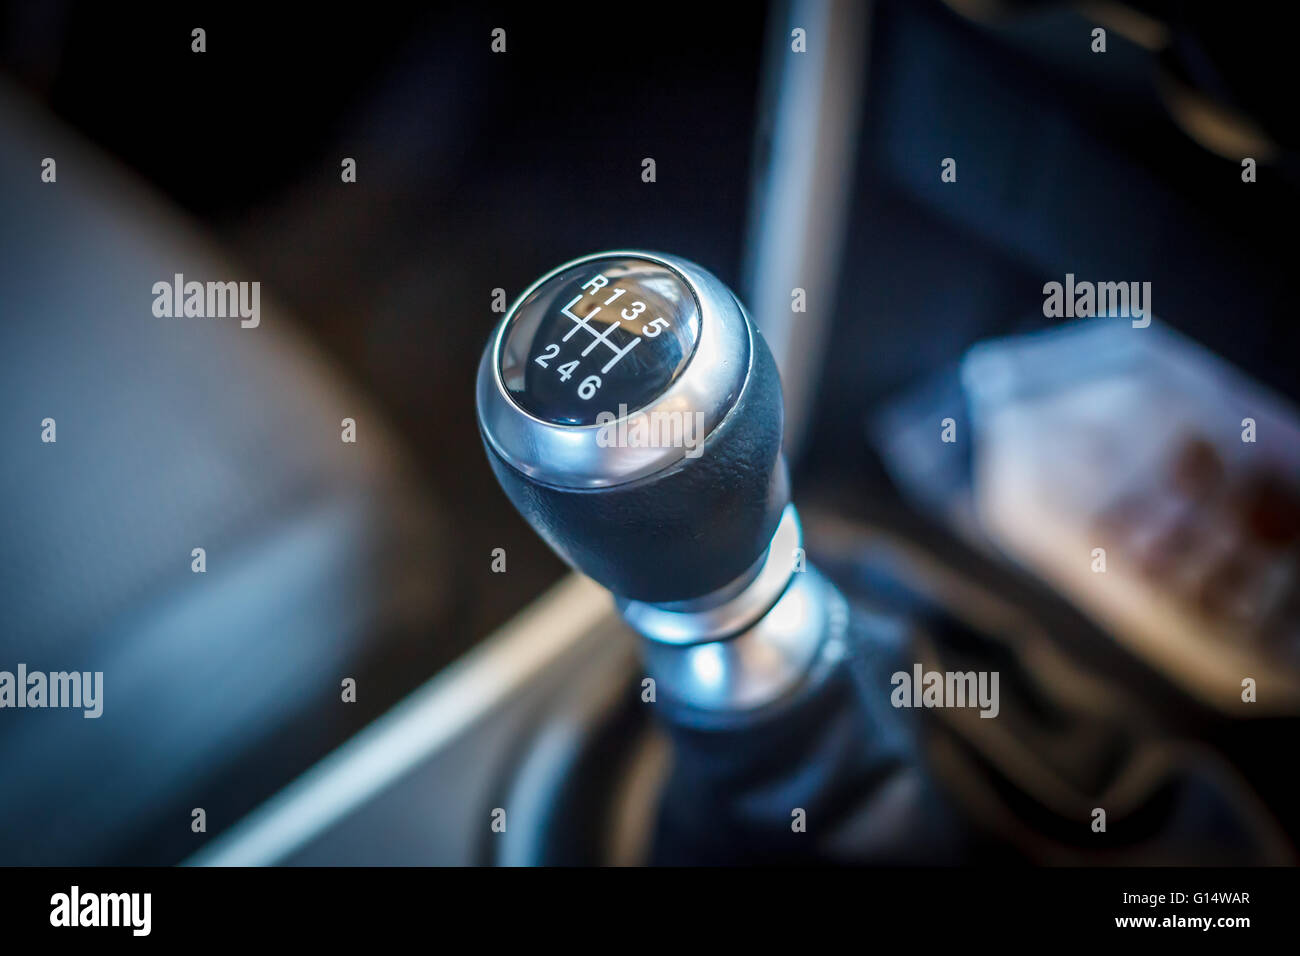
column 1010, row 381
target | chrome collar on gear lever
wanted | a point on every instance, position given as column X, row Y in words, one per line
column 632, row 413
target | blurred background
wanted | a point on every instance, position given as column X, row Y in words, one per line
column 479, row 171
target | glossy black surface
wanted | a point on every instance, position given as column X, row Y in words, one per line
column 606, row 336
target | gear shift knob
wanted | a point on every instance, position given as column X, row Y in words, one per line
column 633, row 415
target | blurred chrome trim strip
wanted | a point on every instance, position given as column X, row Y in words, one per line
column 430, row 718
column 804, row 188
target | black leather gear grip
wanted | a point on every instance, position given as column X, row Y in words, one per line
column 687, row 530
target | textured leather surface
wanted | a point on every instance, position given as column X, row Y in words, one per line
column 842, row 754
column 687, row 530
